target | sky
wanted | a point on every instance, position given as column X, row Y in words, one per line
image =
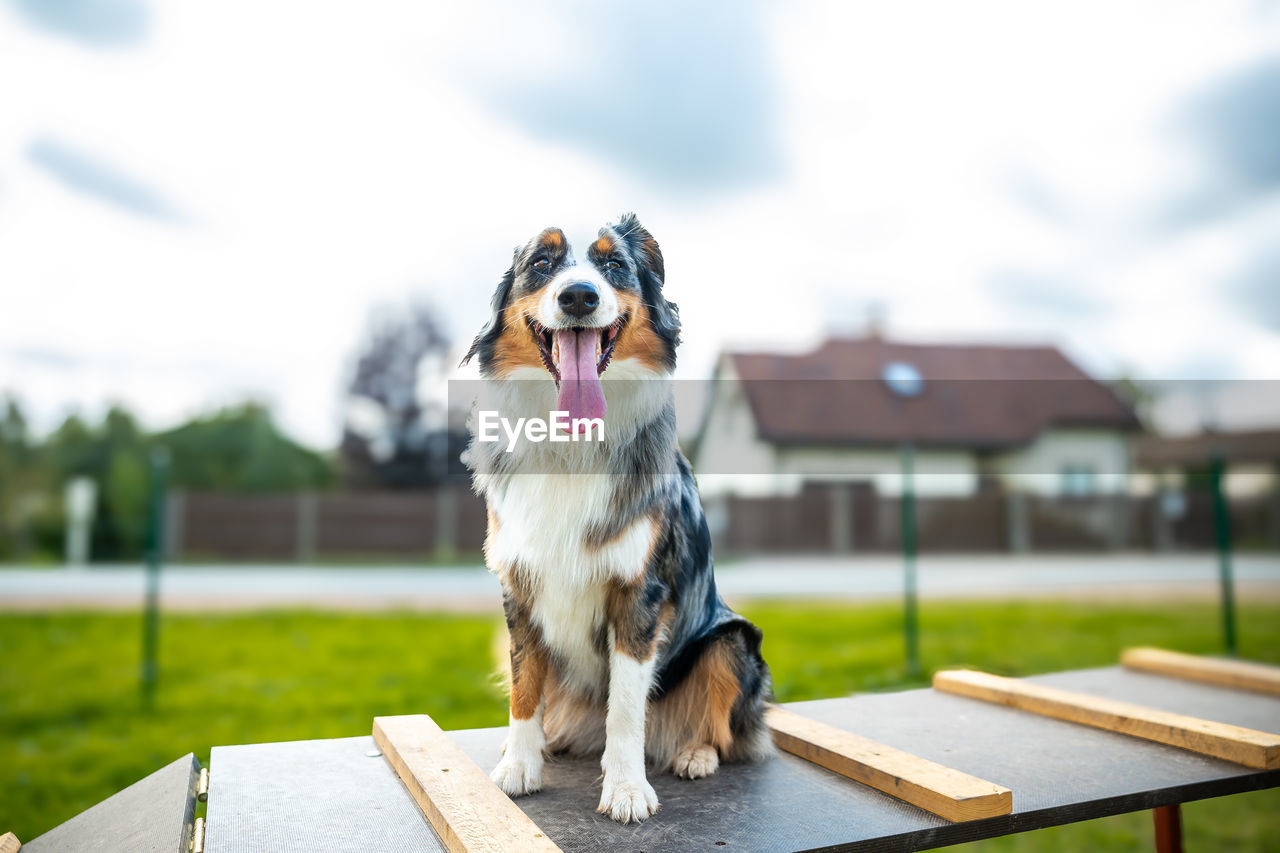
column 202, row 203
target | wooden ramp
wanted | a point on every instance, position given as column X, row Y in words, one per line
column 1243, row 675
column 1245, row 746
column 947, row 793
column 467, row 810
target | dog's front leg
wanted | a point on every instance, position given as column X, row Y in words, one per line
column 520, row 770
column 634, row 624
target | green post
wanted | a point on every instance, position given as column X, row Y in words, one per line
column 159, row 471
column 910, row 626
column 1222, row 536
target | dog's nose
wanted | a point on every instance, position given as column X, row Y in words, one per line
column 578, row 299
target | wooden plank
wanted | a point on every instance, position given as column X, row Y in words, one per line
column 9, row 843
column 1233, row 743
column 948, row 793
column 469, row 812
column 1240, row 674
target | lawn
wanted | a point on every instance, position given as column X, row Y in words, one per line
column 72, row 730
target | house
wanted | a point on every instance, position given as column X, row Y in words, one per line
column 967, row 419
column 1176, row 470
column 1250, row 460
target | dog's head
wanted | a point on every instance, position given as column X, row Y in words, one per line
column 569, row 319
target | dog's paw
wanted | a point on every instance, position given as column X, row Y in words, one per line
column 696, row 762
column 628, row 801
column 517, row 777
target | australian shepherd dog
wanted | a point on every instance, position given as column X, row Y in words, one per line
column 620, row 645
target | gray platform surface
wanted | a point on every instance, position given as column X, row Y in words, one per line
column 330, row 795
column 153, row 815
column 311, row 795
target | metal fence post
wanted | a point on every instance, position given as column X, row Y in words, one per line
column 840, row 494
column 1222, row 536
column 446, row 523
column 158, row 480
column 910, row 626
column 304, row 545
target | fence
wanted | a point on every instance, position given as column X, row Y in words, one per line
column 849, row 518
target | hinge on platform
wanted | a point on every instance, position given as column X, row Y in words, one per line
column 202, row 787
column 197, row 836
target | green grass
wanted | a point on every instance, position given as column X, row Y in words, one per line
column 72, row 730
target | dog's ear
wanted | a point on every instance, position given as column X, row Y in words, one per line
column 488, row 338
column 653, row 275
column 643, row 247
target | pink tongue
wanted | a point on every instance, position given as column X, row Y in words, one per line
column 580, row 392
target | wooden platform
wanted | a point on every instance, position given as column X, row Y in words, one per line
column 1059, row 772
column 344, row 795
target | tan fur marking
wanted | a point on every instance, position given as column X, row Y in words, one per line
column 595, row 543
column 637, row 339
column 553, row 238
column 516, row 346
column 573, row 723
column 604, row 245
column 526, row 683
column 701, row 705
column 491, row 537
column 528, row 654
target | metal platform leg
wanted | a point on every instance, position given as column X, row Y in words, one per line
column 1168, row 820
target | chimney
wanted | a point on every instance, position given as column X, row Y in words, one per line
column 875, row 320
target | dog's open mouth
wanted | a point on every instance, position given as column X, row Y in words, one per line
column 577, row 342
column 576, row 357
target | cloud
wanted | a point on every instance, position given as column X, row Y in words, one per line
column 1237, row 123
column 1256, row 288
column 50, row 357
column 89, row 175
column 95, row 23
column 675, row 93
column 1036, row 196
column 1233, row 125
column 1043, row 295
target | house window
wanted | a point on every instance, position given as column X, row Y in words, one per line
column 1078, row 481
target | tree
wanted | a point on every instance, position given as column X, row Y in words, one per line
column 395, row 430
column 240, row 449
column 19, row 479
column 236, row 449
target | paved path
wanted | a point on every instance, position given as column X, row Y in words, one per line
column 1123, row 576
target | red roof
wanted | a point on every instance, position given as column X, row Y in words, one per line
column 972, row 396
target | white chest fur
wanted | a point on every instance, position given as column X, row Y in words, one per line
column 541, row 522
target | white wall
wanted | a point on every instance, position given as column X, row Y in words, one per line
column 938, row 473
column 730, row 457
column 1038, row 468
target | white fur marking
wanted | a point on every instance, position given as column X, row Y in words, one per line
column 627, row 796
column 542, row 519
column 696, row 762
column 520, row 770
column 549, row 313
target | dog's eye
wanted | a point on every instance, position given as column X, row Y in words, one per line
column 612, row 265
column 541, row 263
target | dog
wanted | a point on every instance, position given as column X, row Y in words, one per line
column 620, row 644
